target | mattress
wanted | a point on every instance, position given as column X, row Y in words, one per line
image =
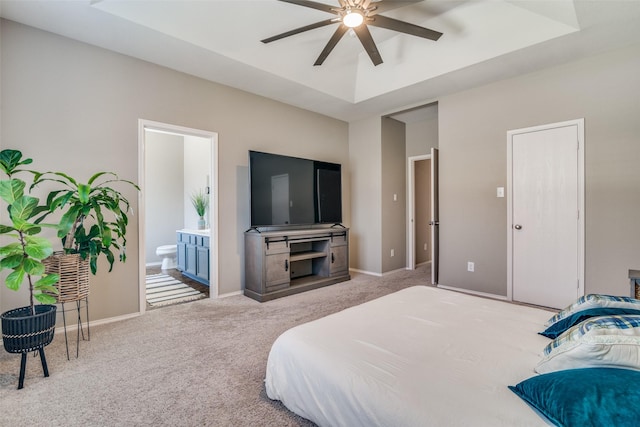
column 421, row 356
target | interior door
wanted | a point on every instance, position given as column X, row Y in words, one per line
column 545, row 203
column 435, row 217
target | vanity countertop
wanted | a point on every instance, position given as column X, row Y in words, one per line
column 205, row 232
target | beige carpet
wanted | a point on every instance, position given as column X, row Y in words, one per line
column 200, row 363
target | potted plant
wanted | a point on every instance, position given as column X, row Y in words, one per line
column 94, row 219
column 93, row 222
column 29, row 328
column 200, row 202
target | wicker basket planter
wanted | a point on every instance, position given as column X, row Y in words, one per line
column 74, row 276
column 23, row 332
column 73, row 286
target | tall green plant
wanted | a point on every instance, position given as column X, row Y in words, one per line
column 200, row 202
column 24, row 255
column 94, row 219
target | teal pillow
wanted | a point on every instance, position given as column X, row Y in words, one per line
column 585, row 397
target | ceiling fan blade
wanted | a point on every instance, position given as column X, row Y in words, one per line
column 369, row 45
column 383, row 6
column 403, row 27
column 313, row 5
column 333, row 41
column 299, row 30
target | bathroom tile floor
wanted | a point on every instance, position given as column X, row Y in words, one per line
column 177, row 275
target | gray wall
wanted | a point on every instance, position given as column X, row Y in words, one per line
column 163, row 192
column 197, row 171
column 75, row 107
column 394, row 210
column 603, row 89
column 366, row 180
column 422, row 136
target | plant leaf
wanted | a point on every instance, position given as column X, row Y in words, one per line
column 21, row 210
column 11, row 190
column 48, row 280
column 45, row 298
column 15, row 278
column 33, row 267
column 38, row 247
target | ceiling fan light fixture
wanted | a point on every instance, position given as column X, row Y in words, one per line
column 353, row 19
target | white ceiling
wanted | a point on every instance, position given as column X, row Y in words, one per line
column 219, row 40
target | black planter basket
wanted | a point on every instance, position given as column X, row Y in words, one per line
column 23, row 332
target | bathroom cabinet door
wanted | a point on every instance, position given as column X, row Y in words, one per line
column 191, row 260
column 181, row 256
column 202, row 263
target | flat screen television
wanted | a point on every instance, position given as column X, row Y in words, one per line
column 293, row 191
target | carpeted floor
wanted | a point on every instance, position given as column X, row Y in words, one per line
column 200, row 363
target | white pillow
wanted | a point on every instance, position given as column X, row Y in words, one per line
column 606, row 341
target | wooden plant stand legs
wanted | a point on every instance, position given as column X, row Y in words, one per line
column 23, row 367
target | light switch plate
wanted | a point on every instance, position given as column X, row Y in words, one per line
column 500, row 192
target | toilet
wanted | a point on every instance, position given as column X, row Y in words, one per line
column 168, row 254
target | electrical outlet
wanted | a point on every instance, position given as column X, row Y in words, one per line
column 425, row 246
column 393, row 252
column 471, row 266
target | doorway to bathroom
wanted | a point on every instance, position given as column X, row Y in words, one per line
column 176, row 166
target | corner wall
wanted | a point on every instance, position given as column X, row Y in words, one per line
column 393, row 195
column 473, row 124
column 366, row 180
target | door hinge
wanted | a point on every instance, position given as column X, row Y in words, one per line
column 578, row 281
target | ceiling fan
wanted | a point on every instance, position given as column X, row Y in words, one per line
column 358, row 15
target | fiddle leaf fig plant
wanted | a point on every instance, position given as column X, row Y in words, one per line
column 24, row 254
column 94, row 219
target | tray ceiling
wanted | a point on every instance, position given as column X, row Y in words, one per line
column 219, row 40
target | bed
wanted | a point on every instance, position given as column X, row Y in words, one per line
column 421, row 356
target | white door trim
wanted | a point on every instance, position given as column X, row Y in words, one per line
column 411, row 209
column 213, row 211
column 581, row 206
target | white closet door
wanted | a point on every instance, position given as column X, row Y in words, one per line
column 545, row 216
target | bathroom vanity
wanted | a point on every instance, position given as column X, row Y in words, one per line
column 193, row 254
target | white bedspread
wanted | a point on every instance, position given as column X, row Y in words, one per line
column 419, row 357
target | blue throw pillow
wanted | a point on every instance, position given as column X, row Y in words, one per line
column 585, row 397
column 557, row 328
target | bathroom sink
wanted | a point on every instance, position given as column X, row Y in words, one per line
column 205, row 232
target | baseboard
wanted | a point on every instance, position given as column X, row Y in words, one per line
column 153, row 264
column 74, row 327
column 368, row 273
column 394, row 271
column 477, row 293
column 423, row 263
column 230, row 294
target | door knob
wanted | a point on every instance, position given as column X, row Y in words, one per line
column 517, row 227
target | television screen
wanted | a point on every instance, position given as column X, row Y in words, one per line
column 293, row 191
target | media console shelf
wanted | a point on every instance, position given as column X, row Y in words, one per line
column 286, row 262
